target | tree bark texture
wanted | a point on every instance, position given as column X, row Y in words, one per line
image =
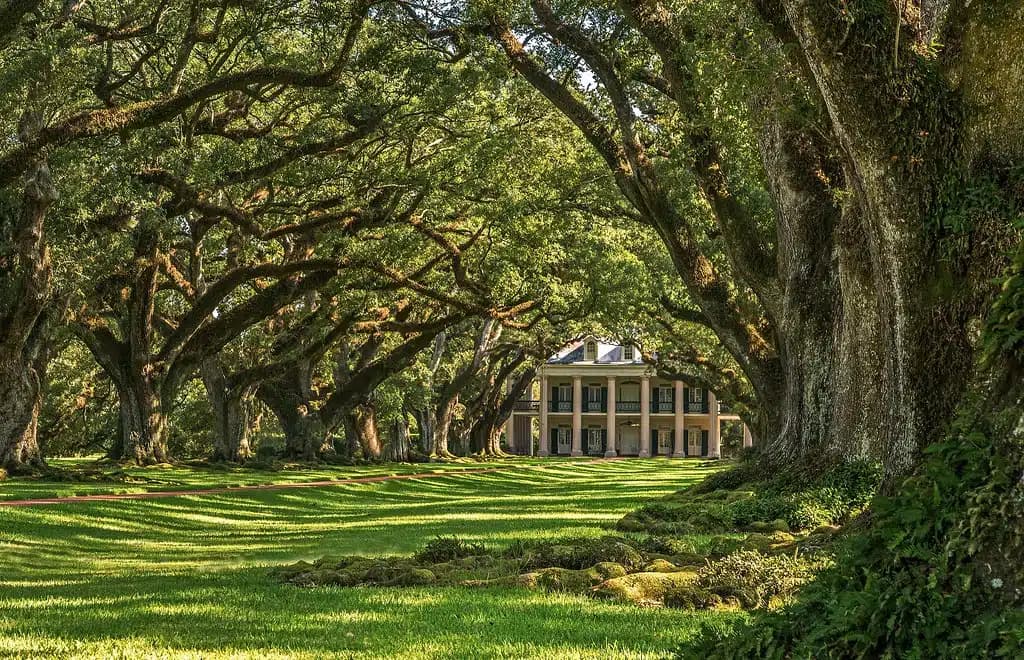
column 25, row 274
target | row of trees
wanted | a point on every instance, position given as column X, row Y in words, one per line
column 838, row 186
column 215, row 209
column 302, row 206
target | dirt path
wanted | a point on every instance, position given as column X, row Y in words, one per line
column 235, row 489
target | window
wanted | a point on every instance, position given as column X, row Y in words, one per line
column 594, row 441
column 665, row 394
column 696, row 394
column 627, row 353
column 590, row 351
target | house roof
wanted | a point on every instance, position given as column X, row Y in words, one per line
column 607, row 353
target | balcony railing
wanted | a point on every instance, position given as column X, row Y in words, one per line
column 627, row 406
column 594, row 406
column 724, row 408
column 662, row 406
column 527, row 404
column 696, row 407
column 561, row 406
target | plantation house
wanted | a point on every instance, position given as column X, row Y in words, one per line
column 600, row 399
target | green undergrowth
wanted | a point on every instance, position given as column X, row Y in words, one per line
column 761, row 569
column 936, row 574
column 738, row 500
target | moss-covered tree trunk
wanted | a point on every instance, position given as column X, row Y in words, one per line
column 143, row 421
column 362, row 432
column 25, row 274
column 305, row 434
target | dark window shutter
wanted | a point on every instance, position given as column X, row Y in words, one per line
column 654, row 442
column 704, row 401
column 686, row 442
column 703, row 443
column 604, row 440
column 554, row 398
column 553, row 433
column 604, row 399
column 686, row 397
column 672, row 440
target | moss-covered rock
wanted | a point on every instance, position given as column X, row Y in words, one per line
column 643, row 588
column 577, row 581
column 770, row 543
column 661, row 566
column 693, row 597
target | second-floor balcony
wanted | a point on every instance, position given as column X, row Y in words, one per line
column 527, row 404
column 561, row 406
column 627, row 406
column 663, row 406
column 696, row 407
column 594, row 406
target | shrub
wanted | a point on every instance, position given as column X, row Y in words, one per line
column 577, row 553
column 754, row 578
column 937, row 574
column 744, row 472
column 447, row 548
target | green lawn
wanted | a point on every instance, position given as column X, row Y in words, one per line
column 188, row 576
column 185, row 477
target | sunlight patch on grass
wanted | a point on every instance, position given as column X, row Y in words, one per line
column 189, row 577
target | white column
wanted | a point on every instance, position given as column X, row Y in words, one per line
column 610, row 419
column 510, row 425
column 577, row 416
column 748, row 440
column 678, row 451
column 645, row 417
column 542, row 449
column 715, row 441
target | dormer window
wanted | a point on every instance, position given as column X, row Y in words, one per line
column 627, row 353
column 590, row 350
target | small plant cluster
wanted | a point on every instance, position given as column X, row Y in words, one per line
column 447, row 548
column 755, row 578
column 774, row 505
column 936, row 575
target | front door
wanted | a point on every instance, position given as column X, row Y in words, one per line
column 693, row 437
column 594, row 441
column 629, row 440
column 564, row 440
column 665, row 442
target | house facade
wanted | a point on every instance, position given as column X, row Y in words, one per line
column 595, row 398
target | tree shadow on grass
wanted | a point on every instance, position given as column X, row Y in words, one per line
column 236, row 610
column 161, row 577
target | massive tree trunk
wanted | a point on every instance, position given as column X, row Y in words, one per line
column 427, row 425
column 903, row 134
column 304, row 431
column 24, row 294
column 143, row 421
column 495, row 405
column 232, row 414
column 362, row 423
column 828, row 334
column 397, row 447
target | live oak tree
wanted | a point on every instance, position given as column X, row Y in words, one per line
column 815, row 210
column 85, row 75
